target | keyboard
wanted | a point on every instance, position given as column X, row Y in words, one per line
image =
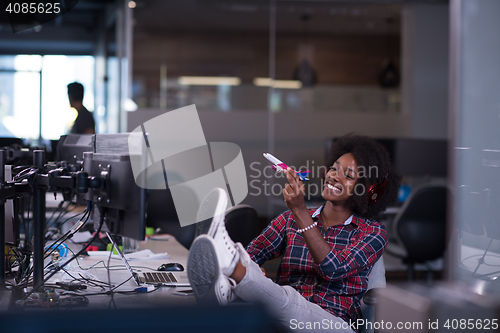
column 159, row 277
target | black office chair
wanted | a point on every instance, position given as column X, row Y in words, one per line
column 161, row 214
column 242, row 224
column 420, row 227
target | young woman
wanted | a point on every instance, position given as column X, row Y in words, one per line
column 327, row 252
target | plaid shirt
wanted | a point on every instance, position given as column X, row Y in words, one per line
column 340, row 281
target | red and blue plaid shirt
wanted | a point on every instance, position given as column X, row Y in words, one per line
column 340, row 281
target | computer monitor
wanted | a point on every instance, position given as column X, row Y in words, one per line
column 11, row 225
column 123, row 201
column 71, row 147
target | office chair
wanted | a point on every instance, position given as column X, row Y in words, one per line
column 242, row 224
column 161, row 214
column 420, row 227
column 376, row 280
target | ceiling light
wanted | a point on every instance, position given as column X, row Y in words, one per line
column 209, row 81
column 280, row 84
column 131, row 4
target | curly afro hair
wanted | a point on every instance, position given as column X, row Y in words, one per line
column 373, row 160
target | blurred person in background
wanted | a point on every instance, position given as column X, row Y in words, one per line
column 84, row 122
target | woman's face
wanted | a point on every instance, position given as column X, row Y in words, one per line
column 341, row 179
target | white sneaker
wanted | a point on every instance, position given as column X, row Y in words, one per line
column 228, row 256
column 210, row 286
column 212, row 206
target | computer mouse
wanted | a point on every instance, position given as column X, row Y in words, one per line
column 172, row 266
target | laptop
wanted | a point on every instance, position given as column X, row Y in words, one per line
column 168, row 279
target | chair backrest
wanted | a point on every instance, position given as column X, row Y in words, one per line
column 161, row 214
column 377, row 279
column 242, row 223
column 421, row 225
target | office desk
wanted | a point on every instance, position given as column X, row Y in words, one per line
column 161, row 310
column 94, row 265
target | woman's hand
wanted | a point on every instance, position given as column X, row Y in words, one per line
column 294, row 199
column 293, row 193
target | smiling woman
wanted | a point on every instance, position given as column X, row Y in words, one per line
column 327, row 252
column 366, row 162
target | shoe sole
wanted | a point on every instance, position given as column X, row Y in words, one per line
column 203, row 271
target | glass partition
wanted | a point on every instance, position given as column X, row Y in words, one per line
column 475, row 223
column 328, row 57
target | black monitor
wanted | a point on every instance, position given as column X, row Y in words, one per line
column 71, row 147
column 122, row 200
column 11, row 221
